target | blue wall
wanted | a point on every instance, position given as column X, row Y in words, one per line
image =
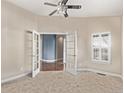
column 49, row 47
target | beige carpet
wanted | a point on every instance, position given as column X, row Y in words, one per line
column 61, row 82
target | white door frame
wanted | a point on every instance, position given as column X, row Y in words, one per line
column 56, row 33
column 38, row 70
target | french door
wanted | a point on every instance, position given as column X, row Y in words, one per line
column 71, row 53
column 35, row 53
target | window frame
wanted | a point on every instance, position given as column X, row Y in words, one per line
column 100, row 48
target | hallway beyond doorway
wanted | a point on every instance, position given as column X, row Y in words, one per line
column 56, row 66
column 52, row 52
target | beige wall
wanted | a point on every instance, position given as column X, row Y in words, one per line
column 113, row 25
column 85, row 27
column 15, row 21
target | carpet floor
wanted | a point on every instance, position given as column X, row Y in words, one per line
column 62, row 82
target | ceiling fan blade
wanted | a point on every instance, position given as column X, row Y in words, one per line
column 52, row 12
column 64, row 1
column 50, row 4
column 66, row 14
column 74, row 6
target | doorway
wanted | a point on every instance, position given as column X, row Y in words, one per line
column 52, row 51
column 34, row 52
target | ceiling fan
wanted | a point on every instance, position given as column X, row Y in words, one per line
column 62, row 7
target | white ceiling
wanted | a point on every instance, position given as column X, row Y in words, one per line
column 89, row 7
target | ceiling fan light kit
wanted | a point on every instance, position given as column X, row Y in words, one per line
column 62, row 7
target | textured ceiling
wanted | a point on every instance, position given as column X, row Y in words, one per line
column 89, row 7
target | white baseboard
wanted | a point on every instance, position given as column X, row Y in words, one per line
column 79, row 69
column 52, row 61
column 14, row 77
column 49, row 61
column 99, row 71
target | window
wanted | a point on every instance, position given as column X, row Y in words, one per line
column 101, row 47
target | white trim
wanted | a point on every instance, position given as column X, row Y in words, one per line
column 14, row 77
column 64, row 50
column 100, row 71
column 39, row 51
column 57, row 33
column 52, row 60
column 37, row 70
column 79, row 69
column 49, row 61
